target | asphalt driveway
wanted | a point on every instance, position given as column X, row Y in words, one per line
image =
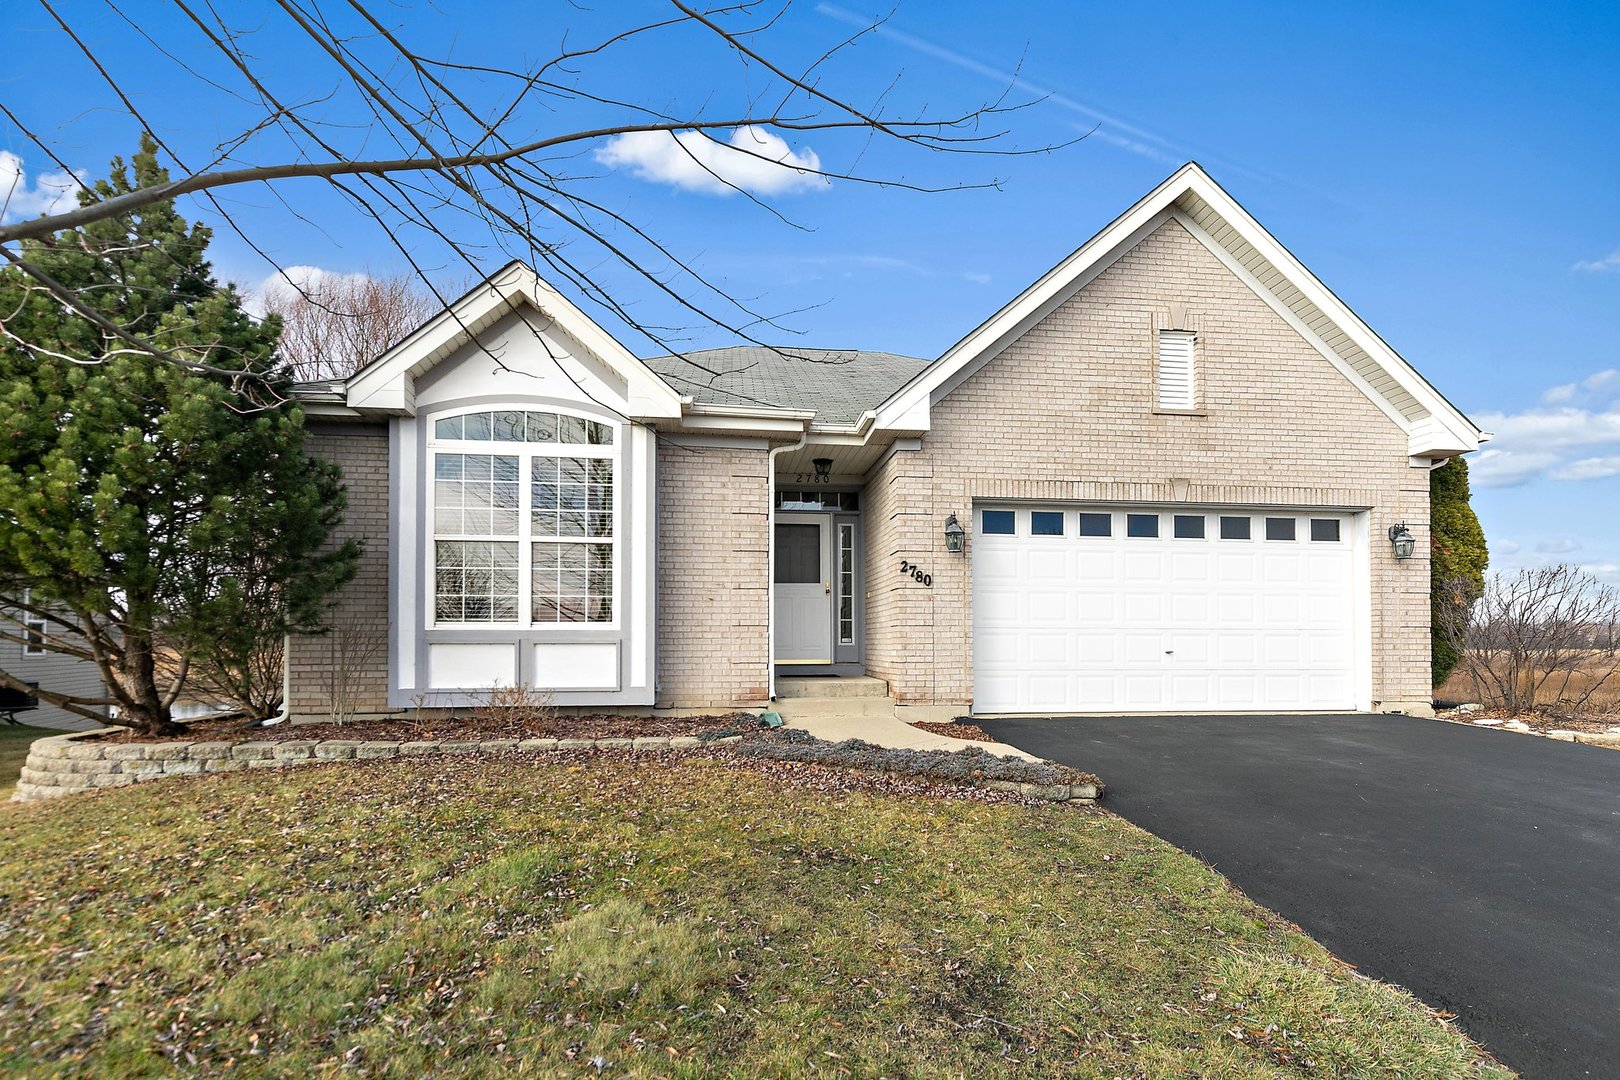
column 1479, row 869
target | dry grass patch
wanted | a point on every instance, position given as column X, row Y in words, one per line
column 651, row 916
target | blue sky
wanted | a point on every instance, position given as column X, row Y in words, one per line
column 1449, row 170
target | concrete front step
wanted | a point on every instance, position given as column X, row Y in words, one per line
column 852, row 708
column 831, row 686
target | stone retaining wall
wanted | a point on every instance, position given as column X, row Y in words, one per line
column 66, row 764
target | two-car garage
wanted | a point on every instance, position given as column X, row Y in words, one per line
column 1167, row 609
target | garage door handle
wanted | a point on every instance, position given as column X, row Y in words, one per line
column 1169, row 652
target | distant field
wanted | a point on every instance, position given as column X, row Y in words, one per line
column 1558, row 693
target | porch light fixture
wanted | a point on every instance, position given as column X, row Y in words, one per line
column 823, row 469
column 954, row 534
column 1401, row 537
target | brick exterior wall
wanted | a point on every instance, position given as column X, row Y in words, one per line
column 1066, row 413
column 354, row 654
column 713, row 576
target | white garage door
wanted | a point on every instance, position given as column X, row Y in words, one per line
column 1159, row 610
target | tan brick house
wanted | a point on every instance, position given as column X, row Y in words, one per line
column 1174, row 474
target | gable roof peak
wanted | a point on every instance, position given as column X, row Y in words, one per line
column 1192, row 198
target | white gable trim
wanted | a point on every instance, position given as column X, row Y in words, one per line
column 1437, row 429
column 1274, row 302
column 388, row 385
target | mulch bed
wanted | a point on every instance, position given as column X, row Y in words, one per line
column 956, row 729
column 407, row 729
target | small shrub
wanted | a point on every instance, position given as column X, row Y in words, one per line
column 519, row 706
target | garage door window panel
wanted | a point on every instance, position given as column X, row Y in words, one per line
column 1235, row 528
column 1142, row 526
column 1045, row 523
column 997, row 522
column 1096, row 524
column 1189, row 526
column 1325, row 530
column 1278, row 528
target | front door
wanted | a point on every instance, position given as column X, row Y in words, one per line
column 801, row 593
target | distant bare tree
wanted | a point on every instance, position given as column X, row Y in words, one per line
column 1536, row 640
column 336, row 324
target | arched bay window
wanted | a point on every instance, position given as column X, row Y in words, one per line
column 525, row 526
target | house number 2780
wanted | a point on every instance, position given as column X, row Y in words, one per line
column 913, row 571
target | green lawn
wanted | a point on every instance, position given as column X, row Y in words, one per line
column 14, row 743
column 677, row 917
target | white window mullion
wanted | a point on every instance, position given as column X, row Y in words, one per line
column 526, row 540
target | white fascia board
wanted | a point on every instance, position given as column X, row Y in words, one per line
column 1463, row 434
column 326, row 410
column 908, row 408
column 1286, row 313
column 388, row 384
column 746, row 420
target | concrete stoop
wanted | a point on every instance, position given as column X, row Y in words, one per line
column 831, row 686
column 835, row 709
column 833, row 698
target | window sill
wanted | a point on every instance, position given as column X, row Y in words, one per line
column 1180, row 412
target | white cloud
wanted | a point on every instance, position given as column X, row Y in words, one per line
column 50, row 193
column 1504, row 547
column 1567, row 428
column 754, row 159
column 1558, row 395
column 1600, row 380
column 1610, row 263
column 1558, row 545
column 1592, row 468
column 301, row 277
column 1507, row 468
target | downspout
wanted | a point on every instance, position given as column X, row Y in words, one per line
column 286, row 685
column 770, row 557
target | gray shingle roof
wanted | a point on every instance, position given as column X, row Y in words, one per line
column 837, row 384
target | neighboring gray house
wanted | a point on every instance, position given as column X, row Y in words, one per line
column 33, row 663
column 1174, row 474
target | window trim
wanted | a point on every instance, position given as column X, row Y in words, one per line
column 844, row 546
column 1193, row 405
column 525, row 539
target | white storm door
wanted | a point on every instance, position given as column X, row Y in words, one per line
column 801, row 593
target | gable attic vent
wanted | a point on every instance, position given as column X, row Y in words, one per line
column 1176, row 387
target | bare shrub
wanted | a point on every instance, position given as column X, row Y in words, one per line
column 521, row 706
column 356, row 650
column 1541, row 640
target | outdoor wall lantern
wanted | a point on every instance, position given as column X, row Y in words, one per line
column 823, row 469
column 954, row 534
column 1401, row 537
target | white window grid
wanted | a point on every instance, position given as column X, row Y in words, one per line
column 525, row 539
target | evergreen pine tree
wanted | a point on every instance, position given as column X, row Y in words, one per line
column 145, row 501
column 1458, row 558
